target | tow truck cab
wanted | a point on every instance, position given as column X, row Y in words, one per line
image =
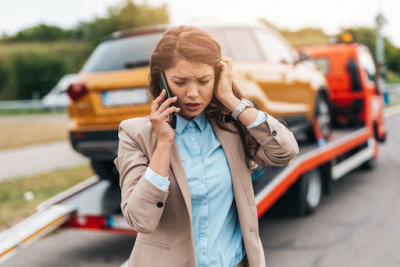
column 351, row 74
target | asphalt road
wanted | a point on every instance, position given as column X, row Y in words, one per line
column 358, row 224
column 39, row 158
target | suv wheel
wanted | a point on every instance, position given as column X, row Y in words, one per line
column 323, row 116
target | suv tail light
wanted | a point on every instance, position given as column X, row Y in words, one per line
column 77, row 90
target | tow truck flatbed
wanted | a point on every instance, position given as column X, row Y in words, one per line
column 94, row 204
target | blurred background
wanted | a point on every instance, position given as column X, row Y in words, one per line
column 44, row 44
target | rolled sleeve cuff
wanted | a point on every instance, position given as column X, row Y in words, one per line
column 261, row 117
column 157, row 180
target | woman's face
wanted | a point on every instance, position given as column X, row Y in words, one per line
column 193, row 84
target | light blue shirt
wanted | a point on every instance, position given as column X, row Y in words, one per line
column 216, row 230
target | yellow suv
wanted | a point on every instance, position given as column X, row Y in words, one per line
column 113, row 86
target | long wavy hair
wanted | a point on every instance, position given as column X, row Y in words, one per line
column 196, row 45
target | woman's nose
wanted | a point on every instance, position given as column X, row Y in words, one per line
column 193, row 90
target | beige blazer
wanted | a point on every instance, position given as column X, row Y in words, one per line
column 162, row 218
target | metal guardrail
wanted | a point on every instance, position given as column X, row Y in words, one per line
column 392, row 94
column 392, row 86
column 21, row 104
column 36, row 104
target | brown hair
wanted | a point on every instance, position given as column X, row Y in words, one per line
column 196, row 45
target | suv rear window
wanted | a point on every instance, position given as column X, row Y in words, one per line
column 120, row 53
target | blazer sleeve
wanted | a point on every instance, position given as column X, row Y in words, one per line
column 278, row 145
column 142, row 203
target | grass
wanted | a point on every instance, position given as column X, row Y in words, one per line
column 15, row 208
column 12, row 135
column 392, row 77
column 298, row 39
column 22, row 130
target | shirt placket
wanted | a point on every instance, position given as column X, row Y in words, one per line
column 202, row 194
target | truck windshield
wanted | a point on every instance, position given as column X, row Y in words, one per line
column 367, row 63
column 122, row 53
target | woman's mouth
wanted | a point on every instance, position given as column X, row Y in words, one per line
column 192, row 106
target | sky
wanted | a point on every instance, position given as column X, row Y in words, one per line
column 329, row 15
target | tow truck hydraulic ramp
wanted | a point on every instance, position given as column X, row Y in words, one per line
column 32, row 229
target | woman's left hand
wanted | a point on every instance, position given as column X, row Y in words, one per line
column 223, row 90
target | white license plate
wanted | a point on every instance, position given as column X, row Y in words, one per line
column 126, row 97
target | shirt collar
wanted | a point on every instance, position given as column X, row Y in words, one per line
column 200, row 121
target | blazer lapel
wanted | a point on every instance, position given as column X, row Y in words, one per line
column 181, row 179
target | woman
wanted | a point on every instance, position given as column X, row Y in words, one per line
column 188, row 191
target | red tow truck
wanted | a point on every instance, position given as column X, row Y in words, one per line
column 94, row 203
column 350, row 72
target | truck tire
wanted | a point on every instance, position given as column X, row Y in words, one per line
column 106, row 170
column 309, row 192
column 303, row 197
column 369, row 164
column 380, row 139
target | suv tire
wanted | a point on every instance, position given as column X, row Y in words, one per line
column 105, row 169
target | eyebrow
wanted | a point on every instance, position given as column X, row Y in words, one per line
column 185, row 78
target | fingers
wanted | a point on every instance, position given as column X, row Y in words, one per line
column 160, row 104
column 226, row 64
column 165, row 114
column 156, row 102
column 166, row 104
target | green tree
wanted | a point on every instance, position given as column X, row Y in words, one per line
column 36, row 74
column 392, row 54
column 3, row 75
column 124, row 16
column 362, row 35
column 367, row 36
column 41, row 33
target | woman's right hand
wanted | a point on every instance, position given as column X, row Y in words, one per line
column 159, row 117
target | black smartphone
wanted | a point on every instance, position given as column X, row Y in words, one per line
column 164, row 85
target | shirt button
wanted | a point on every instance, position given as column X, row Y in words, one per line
column 202, row 251
column 190, row 124
column 203, row 226
column 160, row 204
column 274, row 133
column 202, row 202
column 200, row 179
column 193, row 138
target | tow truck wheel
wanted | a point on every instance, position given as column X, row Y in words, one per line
column 105, row 169
column 310, row 192
column 369, row 164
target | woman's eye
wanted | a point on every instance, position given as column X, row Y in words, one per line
column 204, row 82
column 179, row 83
